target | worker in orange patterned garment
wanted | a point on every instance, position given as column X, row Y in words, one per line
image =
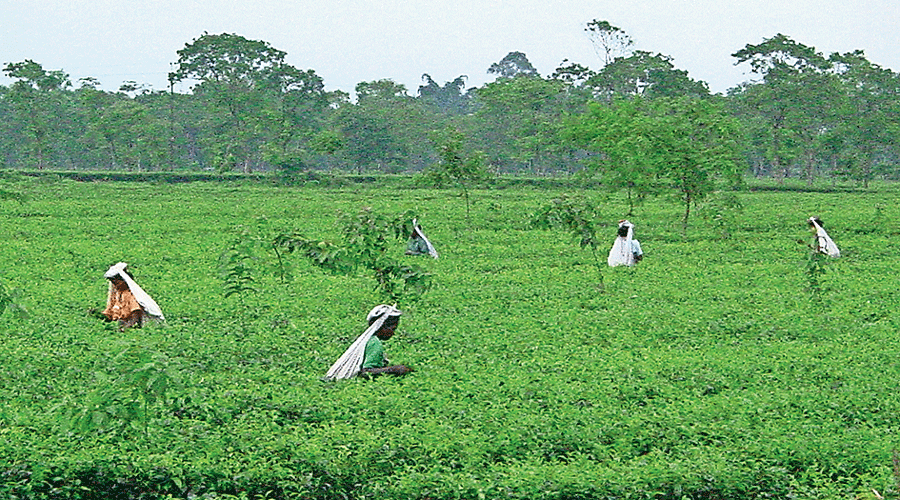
column 127, row 302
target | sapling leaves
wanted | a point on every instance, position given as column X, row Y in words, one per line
column 9, row 301
column 367, row 239
column 578, row 217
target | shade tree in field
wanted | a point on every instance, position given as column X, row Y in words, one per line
column 687, row 146
column 618, row 138
column 367, row 237
column 697, row 146
column 457, row 163
column 579, row 217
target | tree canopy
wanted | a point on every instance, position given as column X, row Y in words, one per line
column 803, row 114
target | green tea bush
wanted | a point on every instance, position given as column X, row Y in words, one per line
column 707, row 371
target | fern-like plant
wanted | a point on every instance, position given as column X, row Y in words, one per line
column 236, row 269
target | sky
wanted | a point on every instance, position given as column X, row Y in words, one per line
column 351, row 41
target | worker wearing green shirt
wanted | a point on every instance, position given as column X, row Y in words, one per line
column 374, row 361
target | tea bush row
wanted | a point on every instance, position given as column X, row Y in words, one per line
column 707, row 371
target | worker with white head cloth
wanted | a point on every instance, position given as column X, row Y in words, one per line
column 626, row 251
column 127, row 302
column 418, row 243
column 365, row 356
column 824, row 244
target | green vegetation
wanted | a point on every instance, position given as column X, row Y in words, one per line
column 710, row 370
column 633, row 122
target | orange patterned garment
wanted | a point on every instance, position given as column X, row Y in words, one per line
column 121, row 303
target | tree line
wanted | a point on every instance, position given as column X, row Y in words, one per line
column 637, row 123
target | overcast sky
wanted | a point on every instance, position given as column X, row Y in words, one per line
column 351, row 41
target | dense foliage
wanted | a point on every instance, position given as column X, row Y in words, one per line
column 713, row 369
column 804, row 114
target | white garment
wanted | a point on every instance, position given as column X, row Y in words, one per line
column 636, row 248
column 625, row 248
column 824, row 244
column 350, row 363
column 431, row 251
column 143, row 298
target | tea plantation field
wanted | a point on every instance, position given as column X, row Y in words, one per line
column 720, row 367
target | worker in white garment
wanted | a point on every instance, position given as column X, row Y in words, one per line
column 626, row 251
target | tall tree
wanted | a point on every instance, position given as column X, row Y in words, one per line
column 254, row 93
column 617, row 137
column 518, row 121
column 385, row 130
column 572, row 73
column 794, row 101
column 449, row 98
column 644, row 74
column 698, row 144
column 38, row 100
column 513, row 64
column 689, row 143
column 609, row 42
column 869, row 120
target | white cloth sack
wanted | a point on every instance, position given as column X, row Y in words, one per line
column 823, row 241
column 143, row 298
column 621, row 253
column 350, row 363
column 431, row 251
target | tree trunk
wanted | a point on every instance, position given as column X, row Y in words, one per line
column 778, row 170
column 687, row 213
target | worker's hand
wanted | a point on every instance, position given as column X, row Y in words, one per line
column 400, row 369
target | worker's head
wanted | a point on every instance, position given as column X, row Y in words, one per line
column 118, row 282
column 390, row 317
column 388, row 327
column 118, row 271
column 813, row 222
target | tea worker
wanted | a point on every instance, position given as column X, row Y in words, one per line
column 418, row 243
column 365, row 356
column 626, row 251
column 127, row 302
column 824, row 244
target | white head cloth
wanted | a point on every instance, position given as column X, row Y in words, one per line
column 147, row 303
column 350, row 363
column 621, row 253
column 823, row 241
column 431, row 251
